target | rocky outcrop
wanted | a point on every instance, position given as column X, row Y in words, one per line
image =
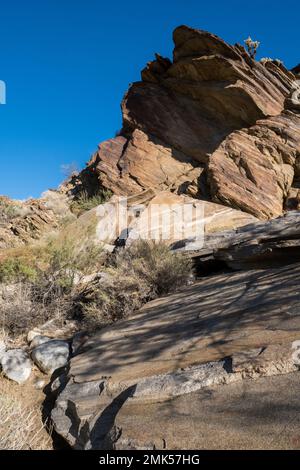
column 161, row 216
column 200, row 342
column 23, row 222
column 260, row 245
column 213, row 123
column 254, row 168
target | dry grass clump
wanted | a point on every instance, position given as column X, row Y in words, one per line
column 84, row 202
column 9, row 209
column 21, row 426
column 138, row 274
column 37, row 283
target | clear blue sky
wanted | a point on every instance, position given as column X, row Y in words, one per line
column 67, row 63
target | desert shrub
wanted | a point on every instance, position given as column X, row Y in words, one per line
column 15, row 269
column 8, row 210
column 137, row 274
column 252, row 46
column 18, row 310
column 84, row 202
column 37, row 284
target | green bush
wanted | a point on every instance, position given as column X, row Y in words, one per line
column 15, row 269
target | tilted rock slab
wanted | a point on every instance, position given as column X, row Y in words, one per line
column 249, row 318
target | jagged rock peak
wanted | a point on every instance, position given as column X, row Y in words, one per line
column 214, row 124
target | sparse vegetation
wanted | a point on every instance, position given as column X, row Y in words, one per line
column 252, row 47
column 21, row 426
column 9, row 210
column 266, row 60
column 138, row 274
column 15, row 269
column 37, row 283
column 85, row 202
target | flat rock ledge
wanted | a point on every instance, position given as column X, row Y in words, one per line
column 85, row 414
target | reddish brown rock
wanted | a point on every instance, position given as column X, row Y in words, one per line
column 213, row 111
column 253, row 169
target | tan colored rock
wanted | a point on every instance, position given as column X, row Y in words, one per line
column 173, row 218
column 160, row 216
column 129, row 167
column 30, row 220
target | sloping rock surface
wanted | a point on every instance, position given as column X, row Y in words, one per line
column 170, row 357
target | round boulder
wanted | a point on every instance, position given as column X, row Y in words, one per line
column 16, row 365
column 51, row 355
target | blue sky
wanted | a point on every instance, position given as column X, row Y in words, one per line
column 67, row 64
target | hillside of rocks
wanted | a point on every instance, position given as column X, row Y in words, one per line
column 194, row 342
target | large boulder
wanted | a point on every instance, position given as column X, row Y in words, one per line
column 51, row 355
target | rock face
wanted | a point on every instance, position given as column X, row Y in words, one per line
column 261, row 245
column 213, row 124
column 164, row 215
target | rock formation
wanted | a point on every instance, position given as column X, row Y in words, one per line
column 23, row 222
column 212, row 128
column 211, row 365
column 213, row 123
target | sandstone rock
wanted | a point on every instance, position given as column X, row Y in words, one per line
column 252, row 414
column 253, row 169
column 213, row 124
column 51, row 355
column 16, row 365
column 173, row 218
column 160, row 215
column 260, row 245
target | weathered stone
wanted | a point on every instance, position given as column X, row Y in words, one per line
column 30, row 220
column 2, row 348
column 173, row 218
column 16, row 365
column 253, row 169
column 213, row 124
column 38, row 340
column 250, row 318
column 261, row 245
column 51, row 355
